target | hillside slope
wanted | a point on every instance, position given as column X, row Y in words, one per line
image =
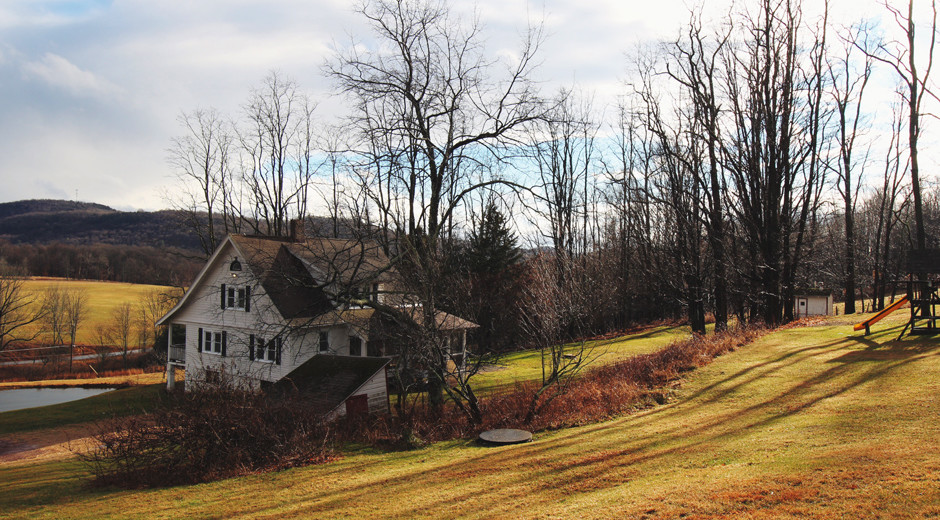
column 85, row 223
column 806, row 422
column 59, row 221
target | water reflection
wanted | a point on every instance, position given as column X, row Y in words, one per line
column 21, row 398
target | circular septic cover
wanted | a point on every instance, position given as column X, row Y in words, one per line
column 505, row 436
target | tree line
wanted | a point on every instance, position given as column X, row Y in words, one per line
column 742, row 163
column 113, row 263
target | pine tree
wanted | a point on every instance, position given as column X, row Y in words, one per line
column 493, row 246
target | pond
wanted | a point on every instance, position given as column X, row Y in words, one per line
column 21, row 398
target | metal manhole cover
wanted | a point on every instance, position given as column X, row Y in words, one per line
column 505, row 436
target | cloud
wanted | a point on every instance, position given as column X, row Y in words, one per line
column 48, row 13
column 56, row 71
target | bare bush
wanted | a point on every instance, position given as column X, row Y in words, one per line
column 211, row 434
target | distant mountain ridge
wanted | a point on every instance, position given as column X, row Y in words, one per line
column 24, row 207
column 47, row 221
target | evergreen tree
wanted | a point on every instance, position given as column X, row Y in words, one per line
column 493, row 246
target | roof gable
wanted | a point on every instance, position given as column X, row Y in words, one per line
column 198, row 281
column 292, row 289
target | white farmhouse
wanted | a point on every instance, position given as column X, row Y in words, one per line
column 265, row 310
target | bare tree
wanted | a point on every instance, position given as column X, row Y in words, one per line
column 18, row 315
column 891, row 203
column 279, row 154
column 697, row 60
column 122, row 328
column 773, row 147
column 53, row 311
column 562, row 149
column 201, row 158
column 847, row 90
column 255, row 175
column 430, row 88
column 75, row 305
column 430, row 108
column 549, row 308
column 902, row 57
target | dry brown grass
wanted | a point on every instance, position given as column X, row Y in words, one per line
column 807, row 422
column 599, row 393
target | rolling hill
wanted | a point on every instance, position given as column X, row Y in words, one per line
column 85, row 223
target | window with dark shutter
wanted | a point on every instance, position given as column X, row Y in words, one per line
column 277, row 359
column 251, row 347
column 248, row 299
column 223, row 343
column 223, row 296
column 200, row 341
column 271, row 350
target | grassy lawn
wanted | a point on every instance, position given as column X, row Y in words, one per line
column 806, row 422
column 527, row 365
column 103, row 298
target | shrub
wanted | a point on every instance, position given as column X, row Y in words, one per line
column 211, row 434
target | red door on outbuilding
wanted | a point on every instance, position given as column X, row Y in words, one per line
column 357, row 405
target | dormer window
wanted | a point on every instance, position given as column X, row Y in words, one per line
column 235, row 266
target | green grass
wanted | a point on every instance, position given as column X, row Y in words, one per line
column 815, row 422
column 124, row 401
column 527, row 365
column 103, row 299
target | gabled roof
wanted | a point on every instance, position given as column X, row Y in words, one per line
column 344, row 261
column 332, row 379
column 285, row 278
column 294, row 274
column 213, row 260
column 369, row 319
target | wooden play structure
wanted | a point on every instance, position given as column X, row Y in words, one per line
column 923, row 268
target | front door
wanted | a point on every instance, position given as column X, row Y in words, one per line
column 802, row 307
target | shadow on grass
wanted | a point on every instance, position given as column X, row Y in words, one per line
column 541, row 477
column 537, row 475
column 496, row 482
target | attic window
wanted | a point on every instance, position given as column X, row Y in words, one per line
column 235, row 265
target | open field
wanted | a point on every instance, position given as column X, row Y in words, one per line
column 807, row 421
column 103, row 298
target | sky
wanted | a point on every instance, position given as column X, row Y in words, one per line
column 91, row 91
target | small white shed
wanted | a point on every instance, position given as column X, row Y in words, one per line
column 812, row 302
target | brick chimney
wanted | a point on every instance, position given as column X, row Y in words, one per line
column 297, row 232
